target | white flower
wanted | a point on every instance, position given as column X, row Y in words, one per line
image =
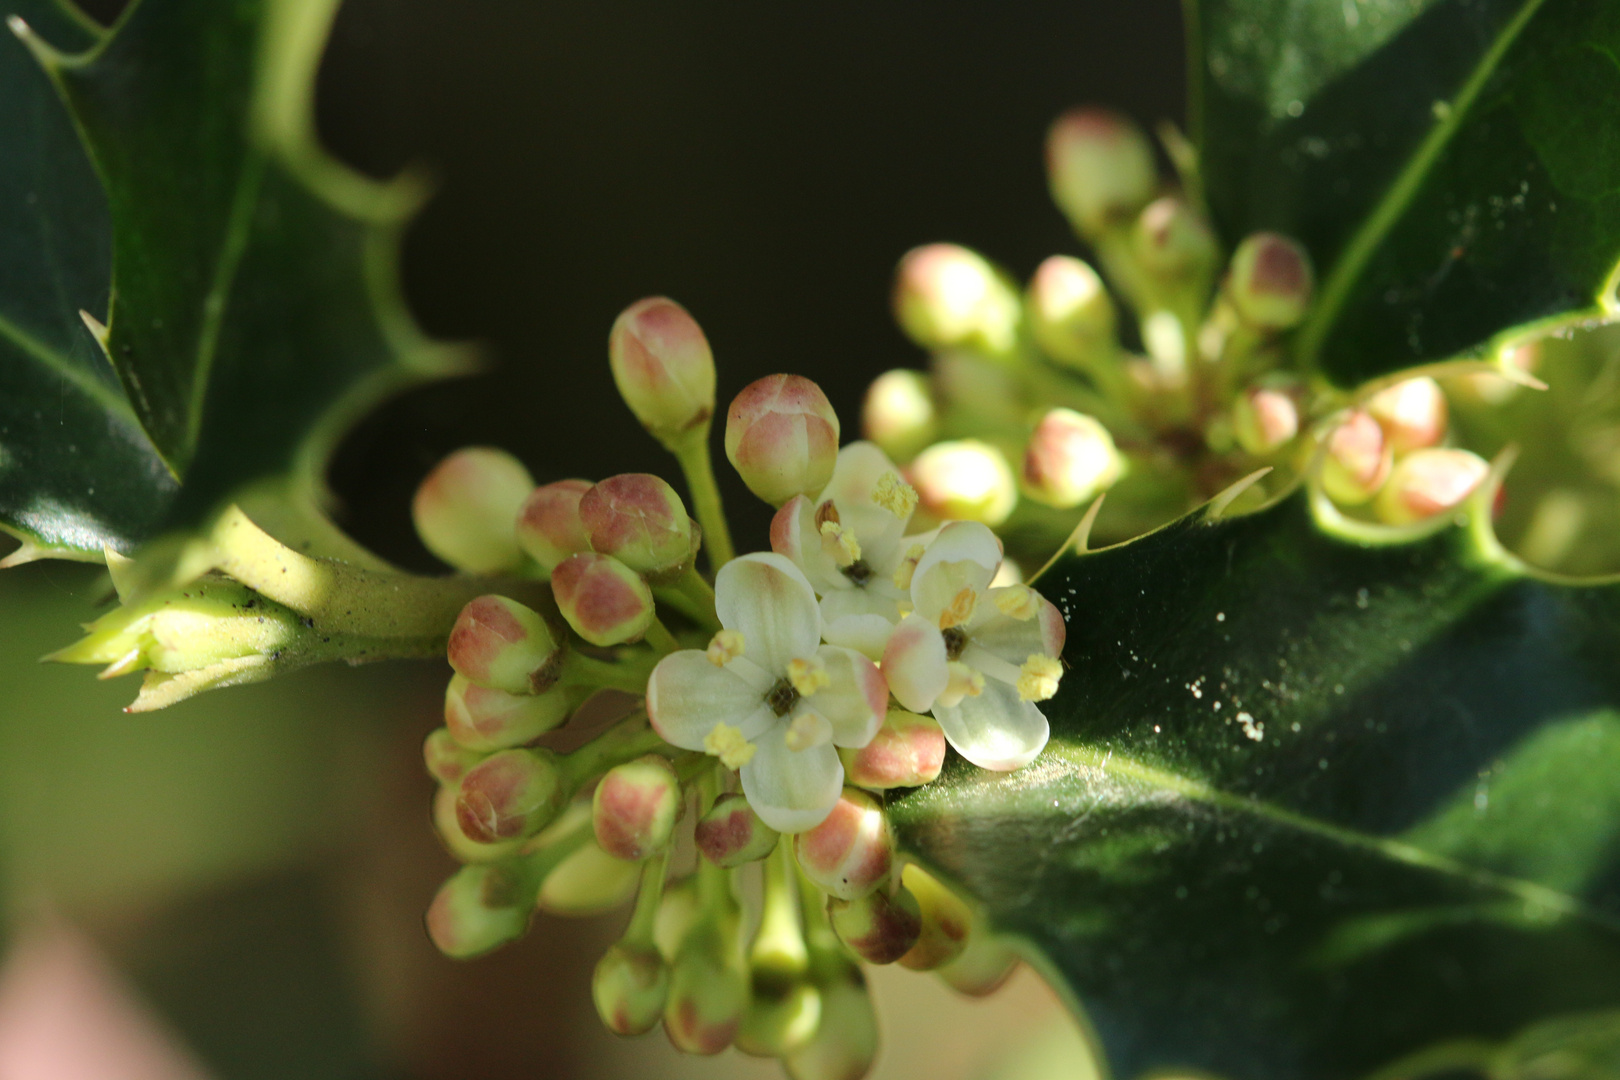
column 850, row 542
column 977, row 657
column 768, row 697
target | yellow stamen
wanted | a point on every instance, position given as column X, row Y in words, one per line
column 960, row 609
column 1019, row 602
column 807, row 729
column 724, row 647
column 808, row 675
column 963, row 682
column 895, row 495
column 908, row 567
column 727, row 743
column 846, row 550
column 1038, row 678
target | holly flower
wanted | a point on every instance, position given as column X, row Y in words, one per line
column 978, row 657
column 850, row 543
column 767, row 697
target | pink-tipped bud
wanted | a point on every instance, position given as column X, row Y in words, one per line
column 1173, row 243
column 732, row 834
column 1100, row 168
column 549, row 527
column 635, row 806
column 850, row 853
column 1265, row 418
column 965, row 480
column 639, row 520
column 1413, row 413
column 630, row 987
column 1358, row 460
column 899, row 415
column 465, row 507
column 460, row 847
column 588, row 882
column 664, row 369
column 782, row 437
column 907, row 751
column 510, row 794
column 499, row 643
column 1071, row 314
column 1428, row 482
column 846, row 1041
column 984, row 966
column 946, row 921
column 948, row 297
column 478, row 909
column 708, row 988
column 447, row 759
column 605, row 601
column 1070, row 458
column 879, row 928
column 1270, row 281
column 484, row 719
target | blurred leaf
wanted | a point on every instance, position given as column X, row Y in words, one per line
column 1452, row 165
column 1310, row 806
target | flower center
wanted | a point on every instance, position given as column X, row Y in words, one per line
column 859, row 571
column 782, row 697
column 955, row 641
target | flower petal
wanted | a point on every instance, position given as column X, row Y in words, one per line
column 687, row 695
column 914, row 663
column 1016, row 640
column 964, row 555
column 995, row 730
column 866, row 634
column 855, row 477
column 792, row 790
column 794, row 535
column 856, row 699
column 767, row 599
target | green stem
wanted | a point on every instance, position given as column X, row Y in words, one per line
column 644, row 919
column 713, row 892
column 659, row 637
column 693, row 454
column 779, row 944
column 629, row 674
column 627, row 740
column 538, row 864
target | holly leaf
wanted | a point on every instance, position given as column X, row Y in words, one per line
column 1317, row 803
column 1452, row 165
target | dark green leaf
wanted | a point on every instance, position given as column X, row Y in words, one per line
column 1311, row 806
column 1452, row 165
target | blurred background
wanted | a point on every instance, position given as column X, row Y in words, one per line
column 233, row 888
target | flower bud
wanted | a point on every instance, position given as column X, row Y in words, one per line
column 663, row 368
column 1269, row 282
column 1358, row 460
column 1071, row 314
column 460, row 847
column 484, row 719
column 946, row 296
column 1428, row 482
column 588, row 882
column 708, row 988
column 1265, row 419
column 846, row 1041
column 638, row 519
column 898, row 414
column 782, row 437
column 907, row 751
column 1100, row 168
column 635, row 806
column 549, row 526
column 1413, row 413
column 446, row 759
column 510, row 794
column 880, row 928
column 984, row 966
column 945, row 921
column 732, row 834
column 1174, row 244
column 499, row 643
column 850, row 853
column 605, row 601
column 630, row 986
column 479, row 909
column 1070, row 458
column 782, row 1015
column 965, row 480
column 465, row 508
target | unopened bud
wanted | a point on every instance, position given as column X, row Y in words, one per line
column 1265, row 419
column 605, row 601
column 907, row 751
column 461, row 847
column 708, row 988
column 1100, row 168
column 548, row 525
column 1071, row 314
column 484, row 719
column 782, row 1015
column 1270, row 281
column 1358, row 460
column 630, row 986
column 499, row 643
column 732, row 834
column 1174, row 244
column 639, row 519
column 663, row 368
column 946, row 921
column 447, row 759
column 782, row 437
column 984, row 966
column 1070, row 458
column 480, row 908
column 898, row 414
column 965, row 480
column 465, row 508
column 588, row 882
column 880, row 928
column 510, row 794
column 846, row 1041
column 1428, row 482
column 635, row 806
column 1413, row 413
column 850, row 853
column 946, row 296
